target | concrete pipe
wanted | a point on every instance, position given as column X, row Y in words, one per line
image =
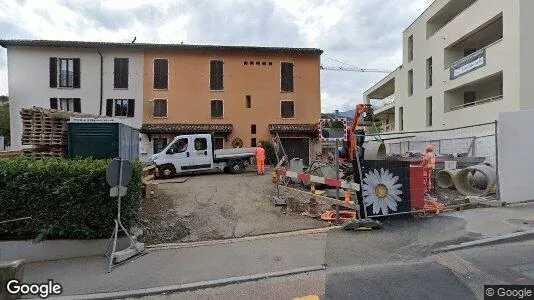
column 374, row 150
column 473, row 187
column 446, row 178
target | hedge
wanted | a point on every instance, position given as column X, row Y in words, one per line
column 65, row 198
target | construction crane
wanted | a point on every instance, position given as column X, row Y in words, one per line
column 354, row 69
column 351, row 68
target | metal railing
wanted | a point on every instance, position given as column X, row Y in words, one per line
column 475, row 103
column 387, row 127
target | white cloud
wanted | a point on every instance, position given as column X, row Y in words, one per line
column 365, row 33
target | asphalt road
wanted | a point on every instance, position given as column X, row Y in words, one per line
column 454, row 275
column 406, row 281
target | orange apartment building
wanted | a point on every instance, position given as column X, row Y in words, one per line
column 243, row 95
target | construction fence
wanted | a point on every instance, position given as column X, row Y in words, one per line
column 478, row 141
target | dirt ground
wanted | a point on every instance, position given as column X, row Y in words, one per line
column 217, row 206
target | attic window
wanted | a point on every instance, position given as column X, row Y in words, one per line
column 264, row 63
column 251, row 63
column 257, row 63
column 270, row 63
column 245, row 63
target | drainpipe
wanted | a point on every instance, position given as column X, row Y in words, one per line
column 101, row 78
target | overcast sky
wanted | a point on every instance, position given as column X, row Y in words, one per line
column 363, row 33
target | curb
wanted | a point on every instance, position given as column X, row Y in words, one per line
column 191, row 286
column 505, row 238
column 167, row 246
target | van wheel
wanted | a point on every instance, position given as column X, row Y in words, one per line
column 167, row 171
column 236, row 167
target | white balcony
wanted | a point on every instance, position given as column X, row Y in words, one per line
column 489, row 61
column 485, row 90
column 445, row 15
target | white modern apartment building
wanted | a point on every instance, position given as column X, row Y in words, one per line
column 464, row 62
column 93, row 78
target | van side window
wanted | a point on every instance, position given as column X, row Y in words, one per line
column 180, row 146
column 201, row 144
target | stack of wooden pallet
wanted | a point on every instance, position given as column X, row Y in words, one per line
column 46, row 130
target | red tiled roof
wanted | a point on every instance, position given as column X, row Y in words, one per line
column 186, row 128
column 293, row 128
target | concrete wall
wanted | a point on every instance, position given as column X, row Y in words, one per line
column 502, row 55
column 515, row 163
column 526, row 54
column 55, row 249
column 28, row 76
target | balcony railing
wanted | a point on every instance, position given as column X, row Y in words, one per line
column 387, row 127
column 475, row 103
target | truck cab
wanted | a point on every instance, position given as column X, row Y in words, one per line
column 194, row 153
column 185, row 153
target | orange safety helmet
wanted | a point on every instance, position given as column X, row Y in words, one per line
column 259, row 144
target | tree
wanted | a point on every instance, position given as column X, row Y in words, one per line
column 4, row 98
column 4, row 122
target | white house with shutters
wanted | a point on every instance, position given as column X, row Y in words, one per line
column 94, row 78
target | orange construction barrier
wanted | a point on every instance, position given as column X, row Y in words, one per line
column 344, row 215
column 433, row 207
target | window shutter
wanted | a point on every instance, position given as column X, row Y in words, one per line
column 131, row 108
column 53, row 103
column 77, row 105
column 53, row 72
column 76, row 69
column 283, row 77
column 213, row 78
column 109, row 107
column 116, row 73
column 161, row 74
column 125, row 73
column 220, row 75
column 290, row 77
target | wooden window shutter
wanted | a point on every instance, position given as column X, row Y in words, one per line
column 286, row 72
column 120, row 74
column 131, row 108
column 290, row 77
column 213, row 80
column 220, row 74
column 77, row 105
column 216, row 75
column 76, row 71
column 116, row 73
column 53, row 103
column 216, row 109
column 161, row 74
column 53, row 72
column 109, row 107
column 125, row 73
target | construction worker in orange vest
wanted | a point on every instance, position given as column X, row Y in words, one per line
column 260, row 159
column 429, row 164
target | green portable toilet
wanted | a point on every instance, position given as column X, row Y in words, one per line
column 102, row 139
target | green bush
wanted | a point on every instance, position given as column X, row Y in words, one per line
column 64, row 198
column 270, row 154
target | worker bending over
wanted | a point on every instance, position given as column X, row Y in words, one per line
column 260, row 159
column 429, row 164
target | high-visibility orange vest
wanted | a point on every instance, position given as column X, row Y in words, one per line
column 260, row 153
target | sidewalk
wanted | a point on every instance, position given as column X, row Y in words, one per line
column 183, row 265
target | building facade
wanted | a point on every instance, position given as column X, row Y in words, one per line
column 464, row 62
column 92, row 78
column 244, row 95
